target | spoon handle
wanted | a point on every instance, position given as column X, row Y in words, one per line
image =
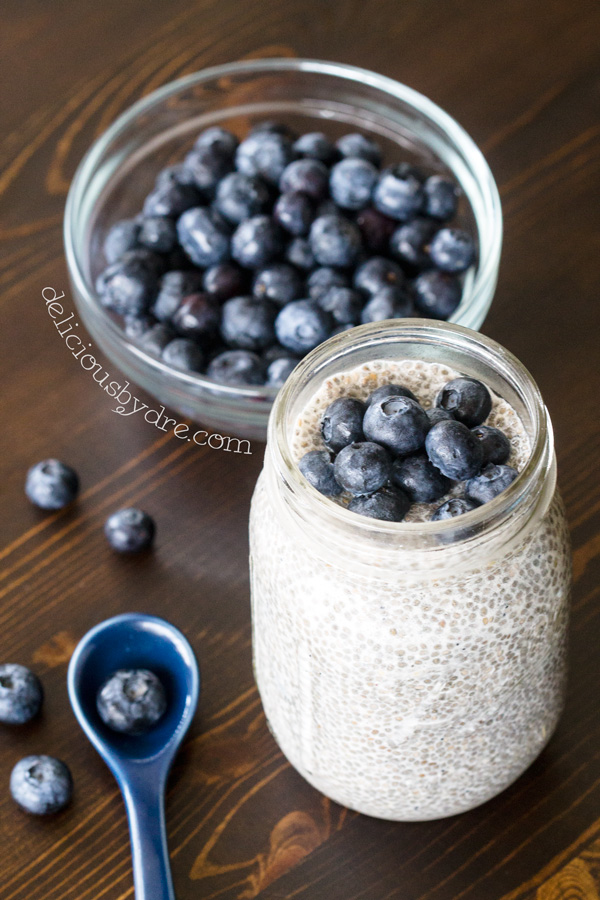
column 145, row 804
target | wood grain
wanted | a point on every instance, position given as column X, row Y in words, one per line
column 523, row 77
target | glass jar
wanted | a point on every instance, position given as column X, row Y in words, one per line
column 410, row 671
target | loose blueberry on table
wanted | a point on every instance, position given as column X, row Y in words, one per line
column 132, row 701
column 51, row 484
column 281, row 238
column 129, row 530
column 388, row 452
column 41, row 785
column 21, row 694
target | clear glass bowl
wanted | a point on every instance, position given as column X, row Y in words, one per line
column 309, row 95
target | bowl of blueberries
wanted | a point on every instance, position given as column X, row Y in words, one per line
column 228, row 223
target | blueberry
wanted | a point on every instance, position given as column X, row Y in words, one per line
column 351, row 183
column 316, row 145
column 377, row 273
column 131, row 701
column 198, row 316
column 205, row 236
column 279, row 370
column 41, row 785
column 129, row 530
column 440, row 198
column 436, row 294
column 335, row 241
column 389, row 504
column 420, row 479
column 241, row 196
column 342, row 423
column 491, row 481
column 457, row 506
column 224, row 280
column 247, row 323
column 173, row 287
column 435, row 415
column 122, row 237
column 322, row 279
column 176, row 174
column 359, row 146
column 454, row 450
column 171, row 198
column 256, row 242
column 207, row 167
column 158, row 233
column 301, row 325
column 399, row 192
column 362, row 467
column 128, row 286
column 467, row 399
column 51, row 484
column 376, row 230
column 410, row 241
column 219, row 139
column 388, row 303
column 299, row 253
column 452, row 250
column 264, row 153
column 309, row 176
column 237, row 367
column 317, row 468
column 156, row 338
column 21, row 694
column 136, row 327
column 183, row 353
column 294, row 212
column 495, row 444
column 398, row 423
column 278, row 282
column 344, row 304
column 389, row 390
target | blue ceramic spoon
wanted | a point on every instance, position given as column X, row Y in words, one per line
column 140, row 763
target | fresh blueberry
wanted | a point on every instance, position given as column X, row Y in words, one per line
column 128, row 286
column 129, row 530
column 41, row 785
column 420, row 479
column 377, row 273
column 158, row 233
column 352, row 182
column 302, row 325
column 335, row 241
column 440, row 198
column 156, row 338
column 176, row 174
column 198, row 316
column 376, row 230
column 435, row 415
column 294, row 212
column 136, row 327
column 452, row 250
column 396, row 422
column 224, row 280
column 316, row 145
column 359, row 146
column 322, row 279
column 131, row 701
column 264, row 153
column 247, row 323
column 171, row 198
column 489, row 483
column 256, row 242
column 437, row 294
column 278, row 282
column 390, row 504
column 299, row 253
column 342, row 423
column 219, row 139
column 344, row 304
column 389, row 390
column 122, row 237
column 173, row 287
column 362, row 467
column 495, row 444
column 279, row 370
column 309, row 176
column 21, row 694
column 457, row 506
column 388, row 303
column 183, row 353
column 51, row 484
column 207, row 167
column 237, row 367
column 399, row 192
column 410, row 241
column 205, row 236
column 454, row 450
column 317, row 468
column 467, row 399
column 241, row 196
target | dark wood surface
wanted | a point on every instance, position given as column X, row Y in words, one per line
column 523, row 77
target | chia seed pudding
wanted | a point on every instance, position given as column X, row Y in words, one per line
column 409, row 670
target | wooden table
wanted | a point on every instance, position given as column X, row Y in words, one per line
column 523, row 77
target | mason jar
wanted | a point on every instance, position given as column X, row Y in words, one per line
column 408, row 670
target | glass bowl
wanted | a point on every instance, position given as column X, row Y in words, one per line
column 308, row 95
